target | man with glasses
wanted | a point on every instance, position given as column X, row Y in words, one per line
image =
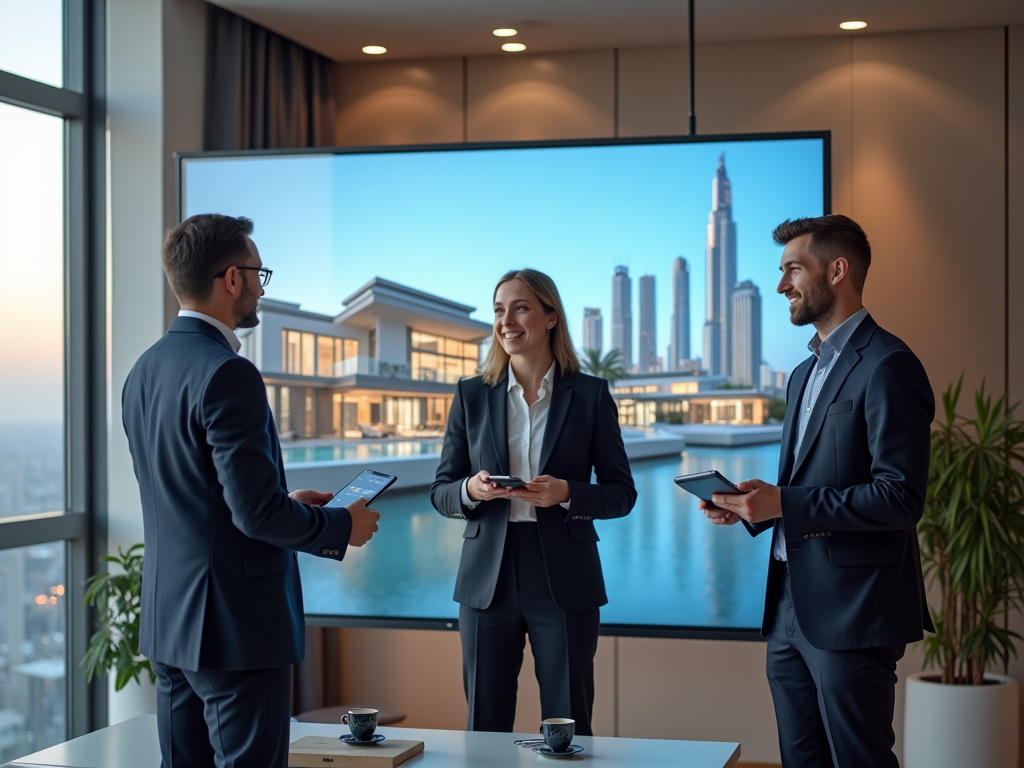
column 222, row 618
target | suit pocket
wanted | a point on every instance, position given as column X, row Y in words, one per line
column 864, row 554
column 267, row 563
column 583, row 532
column 472, row 529
column 840, row 407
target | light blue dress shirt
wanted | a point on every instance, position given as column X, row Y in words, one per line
column 827, row 352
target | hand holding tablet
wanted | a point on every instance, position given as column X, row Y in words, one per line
column 703, row 484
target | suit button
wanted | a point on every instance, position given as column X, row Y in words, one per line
column 807, row 535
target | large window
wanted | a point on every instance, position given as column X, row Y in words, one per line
column 309, row 354
column 436, row 358
column 52, row 392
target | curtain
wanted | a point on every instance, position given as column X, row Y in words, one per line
column 264, row 91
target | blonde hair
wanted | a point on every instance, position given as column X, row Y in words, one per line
column 544, row 289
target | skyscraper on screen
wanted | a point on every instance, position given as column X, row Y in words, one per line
column 679, row 332
column 622, row 315
column 745, row 320
column 648, row 353
column 721, row 275
column 593, row 328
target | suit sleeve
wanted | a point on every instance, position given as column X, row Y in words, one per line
column 454, row 466
column 237, row 422
column 898, row 407
column 614, row 494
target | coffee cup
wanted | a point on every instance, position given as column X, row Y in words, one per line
column 362, row 722
column 558, row 733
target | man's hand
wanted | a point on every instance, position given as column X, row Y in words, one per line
column 543, row 491
column 480, row 488
column 307, row 496
column 364, row 522
column 760, row 501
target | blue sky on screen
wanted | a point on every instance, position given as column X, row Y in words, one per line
column 451, row 222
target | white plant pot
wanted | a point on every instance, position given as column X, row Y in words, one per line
column 961, row 726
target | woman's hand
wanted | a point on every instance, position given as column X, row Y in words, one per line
column 480, row 489
column 544, row 491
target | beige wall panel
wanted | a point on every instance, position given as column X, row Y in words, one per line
column 1016, row 222
column 697, row 689
column 398, row 102
column 653, row 94
column 418, row 672
column 551, row 96
column 928, row 169
column 780, row 85
column 1016, row 116
column 184, row 31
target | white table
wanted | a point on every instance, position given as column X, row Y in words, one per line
column 133, row 744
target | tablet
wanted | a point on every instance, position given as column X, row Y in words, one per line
column 367, row 484
column 703, row 484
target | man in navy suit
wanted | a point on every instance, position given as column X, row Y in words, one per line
column 222, row 618
column 845, row 592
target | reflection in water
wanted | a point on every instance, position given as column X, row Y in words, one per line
column 664, row 564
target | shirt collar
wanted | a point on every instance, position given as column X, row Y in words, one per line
column 545, row 385
column 227, row 332
column 839, row 336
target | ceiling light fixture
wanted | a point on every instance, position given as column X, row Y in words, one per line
column 513, row 47
column 853, row 25
column 374, row 50
column 505, row 32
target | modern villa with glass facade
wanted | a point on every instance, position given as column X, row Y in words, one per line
column 386, row 364
column 683, row 398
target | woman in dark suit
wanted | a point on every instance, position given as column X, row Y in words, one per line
column 529, row 560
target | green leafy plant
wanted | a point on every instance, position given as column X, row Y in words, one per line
column 117, row 598
column 608, row 367
column 972, row 535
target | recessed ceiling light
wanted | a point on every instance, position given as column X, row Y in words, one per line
column 513, row 47
column 374, row 50
column 853, row 25
column 505, row 32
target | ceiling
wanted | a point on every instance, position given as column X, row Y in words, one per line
column 439, row 28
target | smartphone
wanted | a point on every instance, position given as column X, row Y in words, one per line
column 703, row 484
column 505, row 481
column 367, row 485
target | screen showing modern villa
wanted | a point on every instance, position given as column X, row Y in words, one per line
column 385, row 263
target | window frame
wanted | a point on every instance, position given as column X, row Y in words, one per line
column 82, row 523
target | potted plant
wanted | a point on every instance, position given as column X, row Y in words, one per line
column 972, row 546
column 117, row 598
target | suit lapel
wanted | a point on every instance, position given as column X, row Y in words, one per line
column 847, row 360
column 561, row 397
column 800, row 377
column 497, row 421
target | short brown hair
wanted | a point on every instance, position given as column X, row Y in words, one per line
column 544, row 288
column 199, row 248
column 832, row 236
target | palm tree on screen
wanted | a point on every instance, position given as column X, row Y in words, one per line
column 608, row 367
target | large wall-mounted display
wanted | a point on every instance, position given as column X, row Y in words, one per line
column 385, row 261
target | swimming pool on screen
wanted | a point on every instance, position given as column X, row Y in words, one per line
column 664, row 564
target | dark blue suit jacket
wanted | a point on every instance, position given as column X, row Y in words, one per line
column 852, row 498
column 220, row 585
column 582, row 436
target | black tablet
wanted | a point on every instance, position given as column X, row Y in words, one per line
column 703, row 484
column 367, row 484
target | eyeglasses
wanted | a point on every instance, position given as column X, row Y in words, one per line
column 263, row 271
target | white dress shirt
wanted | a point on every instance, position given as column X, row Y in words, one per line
column 228, row 333
column 526, row 425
